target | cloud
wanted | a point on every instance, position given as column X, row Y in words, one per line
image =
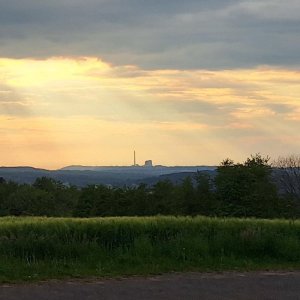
column 155, row 34
column 90, row 86
column 13, row 103
column 275, row 10
column 53, row 105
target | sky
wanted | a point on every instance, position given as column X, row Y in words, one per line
column 181, row 82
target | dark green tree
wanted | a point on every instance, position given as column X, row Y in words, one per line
column 187, row 197
column 247, row 189
column 26, row 200
column 95, row 200
column 206, row 202
column 162, row 198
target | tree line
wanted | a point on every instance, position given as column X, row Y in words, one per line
column 246, row 189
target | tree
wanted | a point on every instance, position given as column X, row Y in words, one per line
column 205, row 200
column 47, row 184
column 94, row 200
column 140, row 205
column 162, row 198
column 247, row 189
column 6, row 189
column 66, row 197
column 26, row 200
column 288, row 174
column 187, row 196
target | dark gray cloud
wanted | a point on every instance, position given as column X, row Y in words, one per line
column 153, row 33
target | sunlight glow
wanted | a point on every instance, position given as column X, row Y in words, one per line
column 82, row 110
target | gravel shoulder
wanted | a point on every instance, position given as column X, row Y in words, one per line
column 210, row 286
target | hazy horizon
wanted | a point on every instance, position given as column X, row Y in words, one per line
column 184, row 83
column 104, row 166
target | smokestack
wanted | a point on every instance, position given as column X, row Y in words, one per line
column 134, row 160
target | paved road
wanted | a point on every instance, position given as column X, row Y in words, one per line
column 231, row 286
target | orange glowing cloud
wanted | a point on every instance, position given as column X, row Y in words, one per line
column 66, row 110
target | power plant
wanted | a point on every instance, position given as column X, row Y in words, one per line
column 148, row 163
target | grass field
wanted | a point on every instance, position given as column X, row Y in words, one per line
column 44, row 248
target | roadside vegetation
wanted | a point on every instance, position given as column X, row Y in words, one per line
column 41, row 248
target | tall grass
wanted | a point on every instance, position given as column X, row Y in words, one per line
column 53, row 247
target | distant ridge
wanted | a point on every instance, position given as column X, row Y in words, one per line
column 116, row 176
column 137, row 167
column 22, row 168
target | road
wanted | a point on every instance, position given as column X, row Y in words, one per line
column 204, row 286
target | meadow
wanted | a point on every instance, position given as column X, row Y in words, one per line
column 37, row 248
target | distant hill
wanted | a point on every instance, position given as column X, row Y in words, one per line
column 22, row 169
column 175, row 178
column 116, row 176
column 139, row 169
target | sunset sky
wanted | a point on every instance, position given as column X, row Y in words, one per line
column 181, row 82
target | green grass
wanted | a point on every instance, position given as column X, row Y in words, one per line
column 44, row 248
